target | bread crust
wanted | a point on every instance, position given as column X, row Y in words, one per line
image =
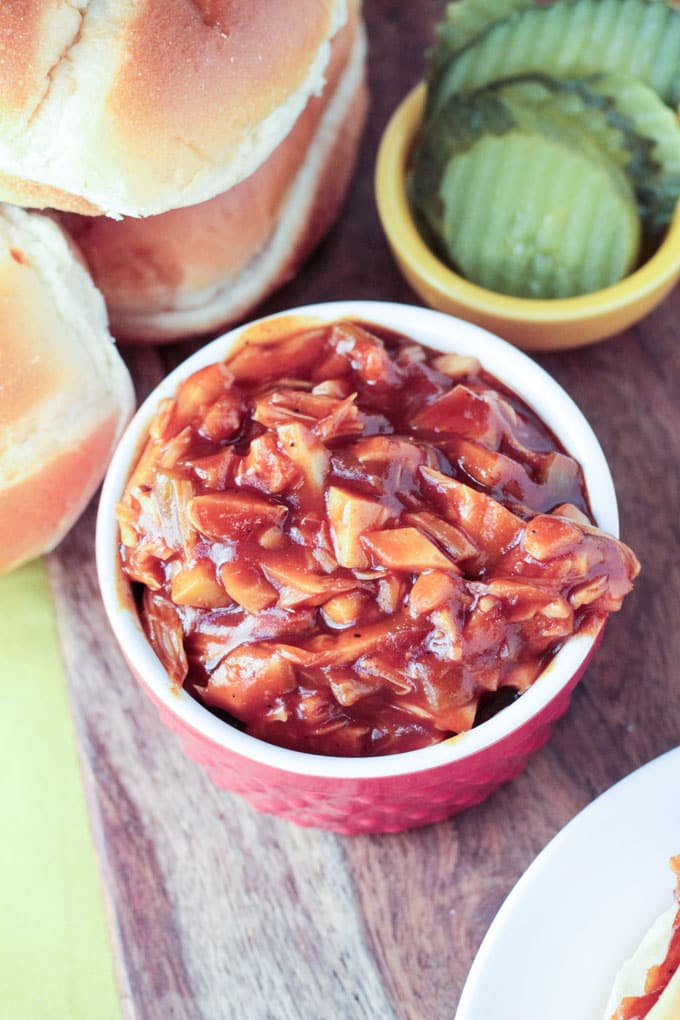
column 197, row 269
column 137, row 108
column 38, row 510
column 33, row 195
column 33, row 34
column 66, row 390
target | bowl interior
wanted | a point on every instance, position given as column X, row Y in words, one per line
column 569, row 321
column 510, row 366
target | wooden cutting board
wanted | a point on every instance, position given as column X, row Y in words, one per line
column 219, row 912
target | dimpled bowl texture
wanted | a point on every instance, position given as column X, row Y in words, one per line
column 391, row 792
column 540, row 325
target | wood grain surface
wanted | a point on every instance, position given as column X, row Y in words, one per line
column 219, row 912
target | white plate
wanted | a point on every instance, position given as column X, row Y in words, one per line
column 582, row 907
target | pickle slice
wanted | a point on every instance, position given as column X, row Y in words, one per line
column 570, row 111
column 657, row 187
column 561, row 230
column 570, row 38
column 566, row 112
column 464, row 21
column 617, row 115
column 458, row 126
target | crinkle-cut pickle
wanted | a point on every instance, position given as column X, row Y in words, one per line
column 573, row 113
column 655, row 124
column 616, row 116
column 465, row 21
column 569, row 112
column 568, row 38
column 591, row 76
column 558, row 231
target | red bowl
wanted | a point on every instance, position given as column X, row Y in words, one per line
column 391, row 792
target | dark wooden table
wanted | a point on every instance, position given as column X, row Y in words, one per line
column 219, row 912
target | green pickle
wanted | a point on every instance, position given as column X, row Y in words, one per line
column 656, row 125
column 562, row 230
column 548, row 151
column 568, row 38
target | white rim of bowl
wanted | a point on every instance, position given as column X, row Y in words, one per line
column 438, row 330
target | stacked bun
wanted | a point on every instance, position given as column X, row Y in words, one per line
column 195, row 151
column 220, row 134
column 202, row 267
column 65, row 394
column 131, row 109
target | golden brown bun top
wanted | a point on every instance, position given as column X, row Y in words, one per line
column 65, row 392
column 60, row 371
column 148, row 105
column 29, row 376
column 32, row 35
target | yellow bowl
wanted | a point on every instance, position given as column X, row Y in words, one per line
column 533, row 324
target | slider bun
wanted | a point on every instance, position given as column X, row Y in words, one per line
column 630, row 980
column 198, row 269
column 66, row 392
column 139, row 107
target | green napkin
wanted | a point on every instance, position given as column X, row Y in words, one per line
column 55, row 957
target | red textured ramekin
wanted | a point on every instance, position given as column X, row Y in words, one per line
column 390, row 792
